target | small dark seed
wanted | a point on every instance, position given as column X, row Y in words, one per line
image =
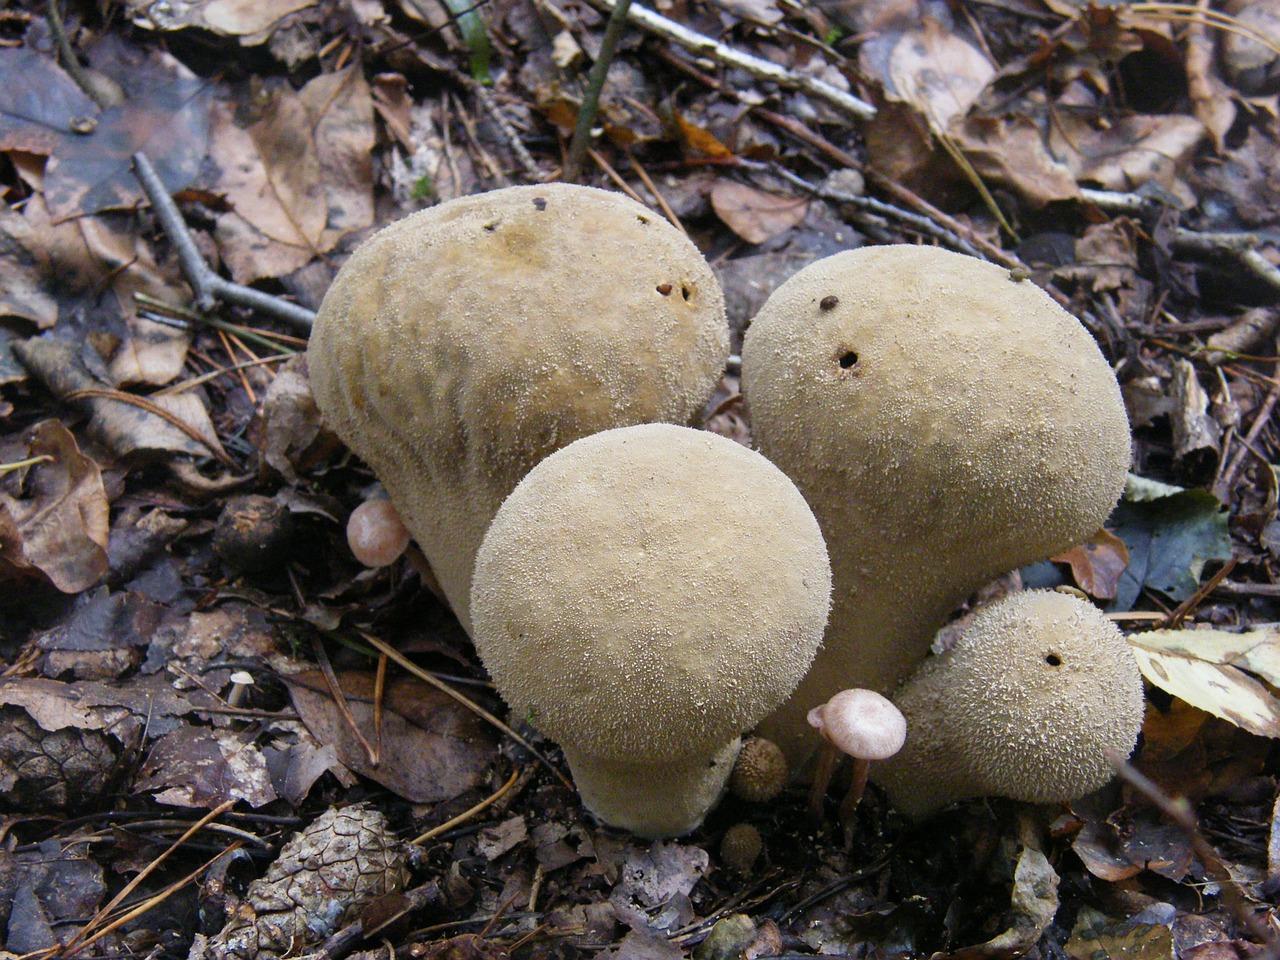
column 829, row 303
column 664, row 289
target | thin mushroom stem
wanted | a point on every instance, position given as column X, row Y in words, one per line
column 857, row 787
column 822, row 774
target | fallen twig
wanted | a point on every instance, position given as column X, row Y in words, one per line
column 590, row 105
column 207, row 286
column 1180, row 811
column 696, row 43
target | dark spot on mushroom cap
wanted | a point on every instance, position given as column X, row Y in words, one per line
column 829, row 302
column 848, row 360
column 540, row 203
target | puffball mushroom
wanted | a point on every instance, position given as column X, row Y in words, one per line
column 1036, row 695
column 644, row 596
column 459, row 346
column 947, row 422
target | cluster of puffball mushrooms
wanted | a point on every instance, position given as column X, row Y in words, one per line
column 520, row 369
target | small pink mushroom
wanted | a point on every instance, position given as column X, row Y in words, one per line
column 375, row 533
column 862, row 724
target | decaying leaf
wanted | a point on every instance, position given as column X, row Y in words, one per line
column 165, row 115
column 202, row 767
column 935, row 70
column 24, row 269
column 59, row 524
column 127, row 428
column 432, row 748
column 754, row 215
column 1215, row 671
column 40, row 105
column 1098, row 937
column 1129, row 153
column 1034, row 904
column 1169, row 539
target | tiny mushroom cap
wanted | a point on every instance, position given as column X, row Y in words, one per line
column 947, row 422
column 376, row 534
column 760, row 772
column 644, row 596
column 1037, row 695
column 861, row 723
column 459, row 346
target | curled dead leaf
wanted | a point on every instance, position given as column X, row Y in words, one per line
column 60, row 526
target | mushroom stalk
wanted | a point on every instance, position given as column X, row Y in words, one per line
column 652, row 800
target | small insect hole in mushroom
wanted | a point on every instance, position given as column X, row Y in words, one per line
column 492, row 225
column 642, row 218
column 1053, row 660
column 686, row 291
column 847, row 360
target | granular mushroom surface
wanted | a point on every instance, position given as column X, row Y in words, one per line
column 459, row 346
column 947, row 423
column 644, row 596
column 1037, row 693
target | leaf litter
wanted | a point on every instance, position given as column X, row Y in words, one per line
column 147, row 680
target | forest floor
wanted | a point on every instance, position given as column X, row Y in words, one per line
column 196, row 669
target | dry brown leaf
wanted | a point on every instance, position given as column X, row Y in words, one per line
column 1012, row 151
column 24, row 270
column 699, row 139
column 126, row 428
column 271, row 175
column 432, row 748
column 340, row 107
column 1129, row 153
column 1097, row 565
column 754, row 215
column 936, row 71
column 291, row 433
column 60, row 526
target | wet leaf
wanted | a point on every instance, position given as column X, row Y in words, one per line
column 1098, row 937
column 1034, row 904
column 166, row 116
column 432, row 749
column 1169, row 541
column 1211, row 670
column 59, row 526
column 754, row 215
column 40, row 105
